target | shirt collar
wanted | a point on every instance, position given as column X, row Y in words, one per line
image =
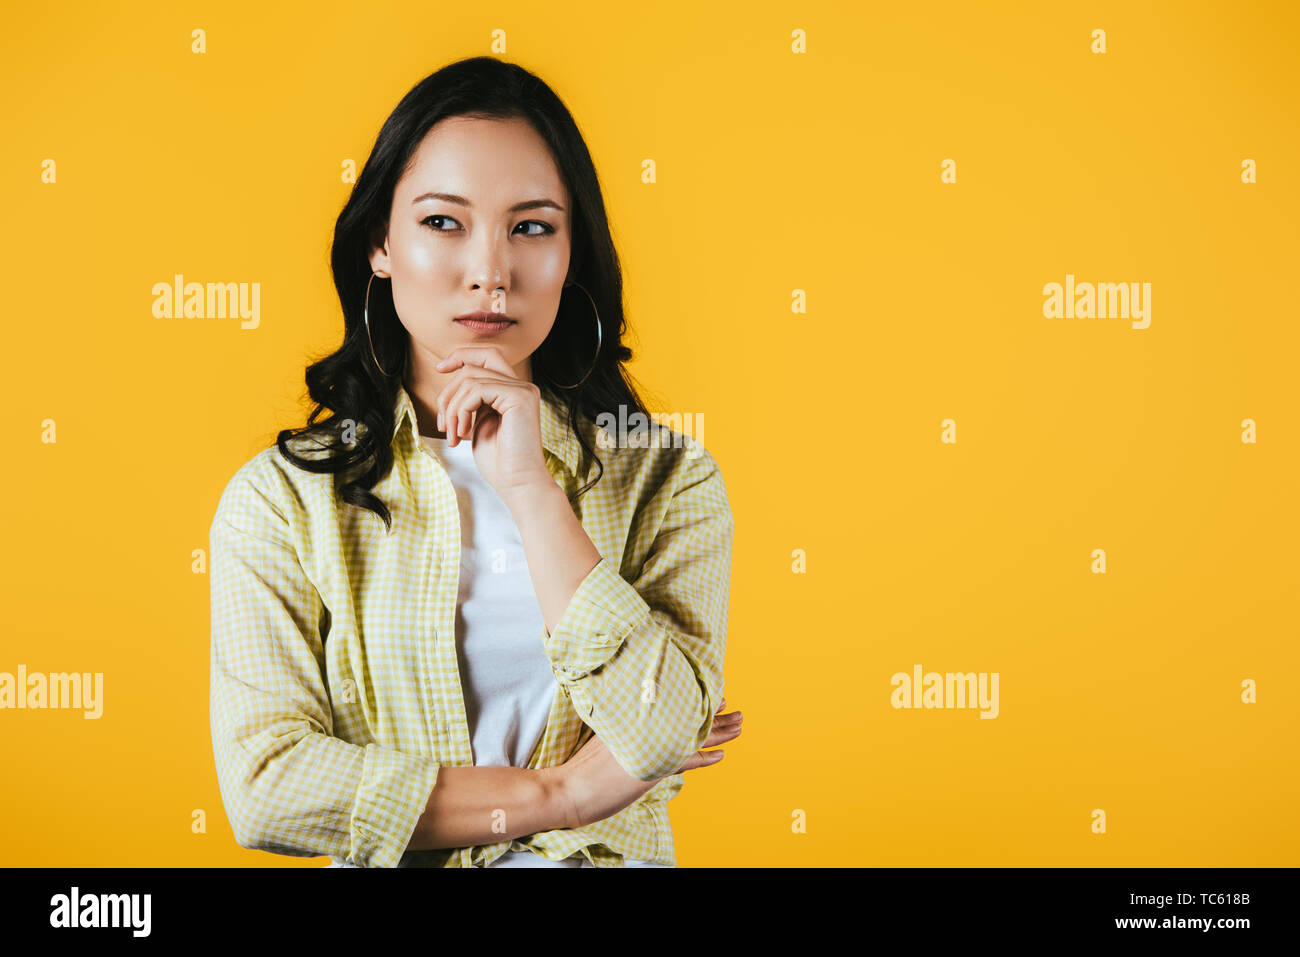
column 556, row 435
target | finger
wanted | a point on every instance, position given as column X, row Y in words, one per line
column 485, row 357
column 460, row 412
column 460, row 418
column 446, row 399
column 440, row 407
column 721, row 704
column 479, row 394
column 457, row 400
column 461, row 357
column 719, row 736
column 701, row 759
column 475, row 399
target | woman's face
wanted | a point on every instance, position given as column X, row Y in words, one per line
column 479, row 223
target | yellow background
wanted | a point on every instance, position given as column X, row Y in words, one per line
column 776, row 172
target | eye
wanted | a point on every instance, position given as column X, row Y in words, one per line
column 438, row 229
column 547, row 228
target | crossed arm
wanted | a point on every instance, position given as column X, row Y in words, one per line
column 643, row 683
column 641, row 661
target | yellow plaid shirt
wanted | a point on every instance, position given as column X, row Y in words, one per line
column 335, row 688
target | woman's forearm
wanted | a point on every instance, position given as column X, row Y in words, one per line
column 475, row 804
column 484, row 804
column 556, row 546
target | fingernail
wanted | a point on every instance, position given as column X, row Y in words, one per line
column 439, row 421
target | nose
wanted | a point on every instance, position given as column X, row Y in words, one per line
column 489, row 269
column 489, row 279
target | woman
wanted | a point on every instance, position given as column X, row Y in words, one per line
column 454, row 624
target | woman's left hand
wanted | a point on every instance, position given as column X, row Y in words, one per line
column 505, row 412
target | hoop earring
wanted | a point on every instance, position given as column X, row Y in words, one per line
column 599, row 340
column 366, row 314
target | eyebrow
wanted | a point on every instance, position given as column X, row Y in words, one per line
column 453, row 198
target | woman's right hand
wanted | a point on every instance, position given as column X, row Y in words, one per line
column 592, row 785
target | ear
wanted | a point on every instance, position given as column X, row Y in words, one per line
column 379, row 259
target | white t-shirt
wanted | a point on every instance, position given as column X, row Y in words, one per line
column 506, row 678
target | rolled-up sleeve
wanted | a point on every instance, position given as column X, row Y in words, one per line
column 288, row 785
column 642, row 661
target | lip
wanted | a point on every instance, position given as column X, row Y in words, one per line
column 486, row 316
column 485, row 323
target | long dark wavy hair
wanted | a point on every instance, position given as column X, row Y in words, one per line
column 348, row 384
